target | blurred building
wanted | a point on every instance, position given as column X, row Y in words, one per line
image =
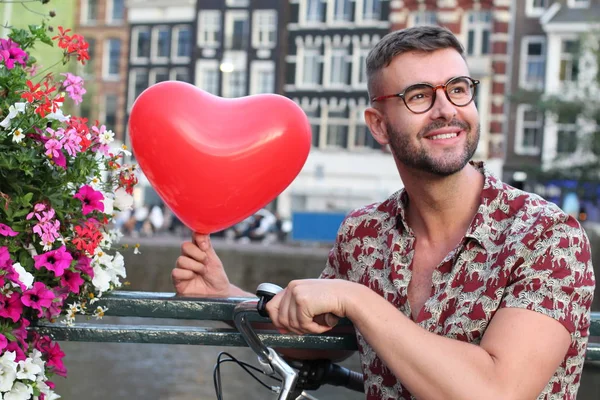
column 327, row 43
column 103, row 23
column 240, row 46
column 161, row 42
column 551, row 55
column 482, row 26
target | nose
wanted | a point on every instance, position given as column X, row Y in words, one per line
column 442, row 107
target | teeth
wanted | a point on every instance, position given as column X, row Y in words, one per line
column 444, row 136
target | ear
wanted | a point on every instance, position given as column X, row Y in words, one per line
column 376, row 123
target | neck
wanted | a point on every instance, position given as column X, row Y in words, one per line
column 440, row 208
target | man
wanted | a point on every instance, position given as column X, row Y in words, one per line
column 459, row 286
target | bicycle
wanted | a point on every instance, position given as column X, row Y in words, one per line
column 295, row 376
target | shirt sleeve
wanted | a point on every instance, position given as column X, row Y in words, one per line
column 554, row 276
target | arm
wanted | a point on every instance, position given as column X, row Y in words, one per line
column 431, row 366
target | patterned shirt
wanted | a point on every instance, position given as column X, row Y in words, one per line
column 519, row 251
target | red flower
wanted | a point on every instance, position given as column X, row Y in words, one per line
column 73, row 45
column 88, row 237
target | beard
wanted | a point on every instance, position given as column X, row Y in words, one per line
column 418, row 158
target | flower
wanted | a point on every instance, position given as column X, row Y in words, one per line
column 74, row 87
column 91, row 199
column 11, row 53
column 5, row 230
column 54, row 260
column 59, row 189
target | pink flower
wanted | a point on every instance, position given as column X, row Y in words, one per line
column 92, row 199
column 54, row 260
column 11, row 307
column 38, row 297
column 74, row 87
column 3, row 342
column 36, row 210
column 53, row 354
column 71, row 142
column 5, row 230
column 20, row 354
column 48, row 231
column 20, row 333
column 11, row 53
column 84, row 264
column 5, row 260
column 72, row 280
column 53, row 148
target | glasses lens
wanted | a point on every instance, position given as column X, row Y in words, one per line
column 418, row 98
column 460, row 91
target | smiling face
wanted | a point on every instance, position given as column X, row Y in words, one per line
column 440, row 141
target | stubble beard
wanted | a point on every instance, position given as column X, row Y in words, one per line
column 418, row 158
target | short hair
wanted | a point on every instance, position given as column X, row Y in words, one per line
column 418, row 38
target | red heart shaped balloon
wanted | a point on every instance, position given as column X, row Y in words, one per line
column 216, row 161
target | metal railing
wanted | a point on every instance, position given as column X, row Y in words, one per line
column 169, row 307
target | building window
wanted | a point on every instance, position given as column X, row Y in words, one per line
column 160, row 43
column 315, row 11
column 235, row 84
column 362, row 136
column 182, row 42
column 535, row 8
column 110, row 111
column 533, row 62
column 181, row 74
column 337, row 128
column 579, row 3
column 359, row 69
column 478, row 32
column 339, row 68
column 207, row 76
column 265, row 28
column 371, row 10
column 311, row 67
column 314, row 118
column 425, row 18
column 341, row 11
column 567, row 134
column 138, row 82
column 89, row 12
column 140, row 39
column 158, row 75
column 530, row 125
column 236, row 28
column 115, row 11
column 112, row 58
column 569, row 61
column 263, row 77
column 209, row 28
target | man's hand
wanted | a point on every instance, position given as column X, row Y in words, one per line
column 310, row 305
column 200, row 272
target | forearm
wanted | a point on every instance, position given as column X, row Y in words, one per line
column 429, row 365
column 235, row 291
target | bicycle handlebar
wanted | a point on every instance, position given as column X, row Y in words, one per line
column 309, row 375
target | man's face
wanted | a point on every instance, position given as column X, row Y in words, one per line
column 442, row 140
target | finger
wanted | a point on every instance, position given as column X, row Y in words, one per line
column 205, row 244
column 181, row 275
column 190, row 264
column 194, row 252
column 328, row 319
column 293, row 322
column 272, row 308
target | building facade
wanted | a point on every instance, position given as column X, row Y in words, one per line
column 327, row 44
column 240, row 46
column 483, row 27
column 555, row 55
column 103, row 23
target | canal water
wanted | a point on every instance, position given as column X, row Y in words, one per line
column 107, row 371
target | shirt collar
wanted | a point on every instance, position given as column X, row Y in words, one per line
column 482, row 228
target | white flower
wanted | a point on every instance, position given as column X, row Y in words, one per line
column 17, row 135
column 101, row 279
column 58, row 115
column 28, row 370
column 13, row 110
column 8, row 371
column 99, row 312
column 36, row 358
column 25, row 277
column 115, row 235
column 123, row 149
column 45, row 389
column 95, row 183
column 20, row 391
column 118, row 263
column 108, row 203
column 106, row 137
column 123, row 200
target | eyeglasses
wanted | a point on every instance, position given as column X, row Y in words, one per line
column 419, row 98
